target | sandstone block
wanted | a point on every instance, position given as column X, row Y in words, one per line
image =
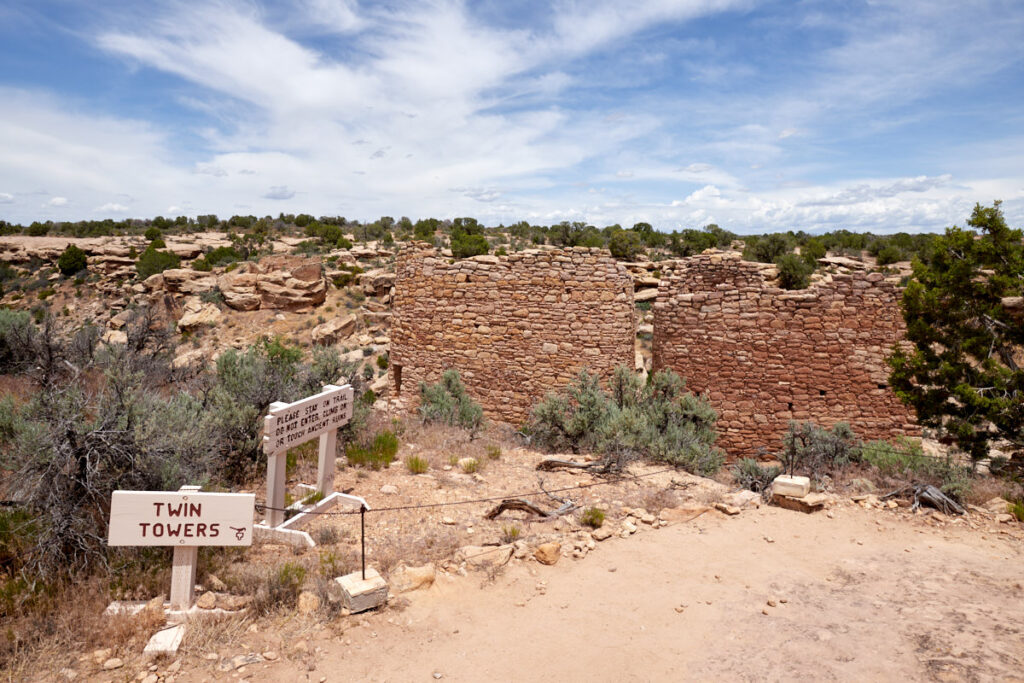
column 794, row 487
column 358, row 594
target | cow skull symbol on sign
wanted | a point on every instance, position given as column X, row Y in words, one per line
column 239, row 532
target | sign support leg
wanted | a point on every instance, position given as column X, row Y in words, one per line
column 325, row 464
column 183, row 576
column 276, row 465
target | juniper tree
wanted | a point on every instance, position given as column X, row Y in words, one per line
column 962, row 374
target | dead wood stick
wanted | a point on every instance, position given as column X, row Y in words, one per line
column 516, row 504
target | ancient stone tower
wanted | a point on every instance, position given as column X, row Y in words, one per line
column 515, row 327
column 766, row 356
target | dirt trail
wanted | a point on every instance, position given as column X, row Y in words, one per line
column 861, row 596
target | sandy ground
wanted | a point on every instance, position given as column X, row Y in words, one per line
column 865, row 595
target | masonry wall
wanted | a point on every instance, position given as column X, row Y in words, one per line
column 515, row 327
column 766, row 356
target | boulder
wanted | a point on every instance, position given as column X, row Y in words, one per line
column 115, row 337
column 239, row 289
column 207, row 600
column 333, row 331
column 292, row 283
column 548, row 553
column 478, row 557
column 405, row 579
column 646, row 295
column 198, row 314
column 997, row 505
column 188, row 359
column 188, row 281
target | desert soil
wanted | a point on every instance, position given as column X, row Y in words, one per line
column 861, row 595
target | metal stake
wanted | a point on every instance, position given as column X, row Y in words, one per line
column 362, row 533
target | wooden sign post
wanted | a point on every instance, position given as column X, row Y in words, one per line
column 291, row 424
column 184, row 519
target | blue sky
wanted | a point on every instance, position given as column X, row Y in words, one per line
column 759, row 116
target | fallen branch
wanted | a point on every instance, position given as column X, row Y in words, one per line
column 551, row 464
column 925, row 493
column 516, row 504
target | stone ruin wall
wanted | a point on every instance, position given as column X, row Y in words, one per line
column 765, row 355
column 515, row 327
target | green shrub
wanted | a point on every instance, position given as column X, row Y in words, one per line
column 766, row 249
column 510, row 533
column 154, row 261
column 280, row 588
column 382, row 362
column 469, row 465
column 794, row 272
column 72, row 260
column 152, row 233
column 625, row 245
column 448, row 403
column 464, row 246
column 889, row 254
column 905, row 460
column 379, row 453
column 752, row 476
column 417, row 464
column 343, row 243
column 493, row 451
column 660, row 421
column 1017, row 509
column 817, row 451
column 592, row 517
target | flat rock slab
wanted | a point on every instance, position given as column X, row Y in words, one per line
column 808, row 504
column 166, row 641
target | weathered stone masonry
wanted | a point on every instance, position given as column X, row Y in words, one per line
column 766, row 356
column 515, row 327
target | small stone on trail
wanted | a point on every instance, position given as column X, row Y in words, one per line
column 437, row 674
column 764, row 611
column 680, row 609
column 448, row 521
column 772, row 603
column 548, row 553
column 112, row 663
column 270, row 655
column 769, row 539
column 389, row 489
column 207, row 600
column 730, row 510
column 611, row 569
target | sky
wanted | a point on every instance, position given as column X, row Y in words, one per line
column 760, row 116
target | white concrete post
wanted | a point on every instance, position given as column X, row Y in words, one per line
column 183, row 571
column 276, row 480
column 326, row 459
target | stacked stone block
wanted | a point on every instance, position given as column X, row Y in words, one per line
column 765, row 356
column 515, row 327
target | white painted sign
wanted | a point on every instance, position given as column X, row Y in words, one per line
column 181, row 518
column 291, row 424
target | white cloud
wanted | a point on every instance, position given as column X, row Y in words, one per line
column 111, row 207
column 428, row 111
column 58, row 201
column 6, row 198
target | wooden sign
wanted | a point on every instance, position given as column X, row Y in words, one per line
column 290, row 424
column 181, row 518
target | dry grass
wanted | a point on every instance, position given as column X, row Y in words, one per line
column 434, row 546
column 207, row 633
column 69, row 620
